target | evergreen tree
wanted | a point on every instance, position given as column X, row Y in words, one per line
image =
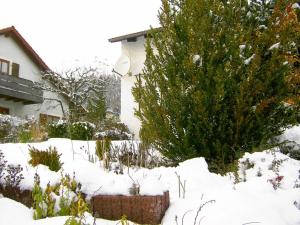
column 96, row 109
column 215, row 83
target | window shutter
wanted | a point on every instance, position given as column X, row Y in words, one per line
column 15, row 69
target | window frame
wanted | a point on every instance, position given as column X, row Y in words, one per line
column 8, row 65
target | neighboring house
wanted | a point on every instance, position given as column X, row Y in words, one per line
column 20, row 68
column 129, row 67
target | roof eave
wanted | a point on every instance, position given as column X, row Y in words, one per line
column 25, row 46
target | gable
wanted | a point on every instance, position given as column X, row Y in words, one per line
column 24, row 45
column 16, row 50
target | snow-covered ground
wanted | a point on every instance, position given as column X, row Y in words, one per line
column 216, row 199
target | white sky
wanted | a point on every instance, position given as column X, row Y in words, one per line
column 68, row 32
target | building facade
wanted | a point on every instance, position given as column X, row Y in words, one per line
column 130, row 66
column 20, row 73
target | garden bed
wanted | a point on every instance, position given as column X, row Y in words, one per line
column 22, row 196
column 138, row 208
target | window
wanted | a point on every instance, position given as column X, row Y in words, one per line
column 44, row 119
column 4, row 66
column 4, row 111
column 15, row 69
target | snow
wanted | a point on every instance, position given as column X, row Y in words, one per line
column 296, row 6
column 247, row 61
column 12, row 120
column 221, row 199
column 292, row 134
column 275, row 46
column 197, row 59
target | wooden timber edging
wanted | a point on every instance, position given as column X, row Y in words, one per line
column 22, row 196
column 141, row 209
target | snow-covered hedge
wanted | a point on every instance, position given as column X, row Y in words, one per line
column 76, row 131
column 113, row 131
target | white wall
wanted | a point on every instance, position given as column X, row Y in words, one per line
column 135, row 51
column 10, row 50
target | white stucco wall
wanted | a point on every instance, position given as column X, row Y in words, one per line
column 10, row 50
column 135, row 51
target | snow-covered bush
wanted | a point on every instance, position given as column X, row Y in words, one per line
column 11, row 127
column 49, row 158
column 75, row 131
column 63, row 199
column 2, row 164
column 58, row 129
column 113, row 130
column 136, row 154
column 291, row 148
column 82, row 131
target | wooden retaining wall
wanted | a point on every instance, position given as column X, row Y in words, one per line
column 22, row 196
column 138, row 208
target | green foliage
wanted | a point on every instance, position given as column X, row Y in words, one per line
column 124, row 220
column 75, row 131
column 73, row 221
column 43, row 203
column 96, row 109
column 70, row 200
column 25, row 136
column 82, row 131
column 4, row 130
column 49, row 158
column 37, row 195
column 102, row 147
column 11, row 127
column 58, row 130
column 213, row 84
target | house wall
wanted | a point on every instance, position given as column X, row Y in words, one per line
column 10, row 50
column 135, row 51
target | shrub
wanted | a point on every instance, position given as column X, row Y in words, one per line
column 25, row 136
column 49, row 158
column 58, row 130
column 82, row 131
column 10, row 126
column 102, row 146
column 2, row 164
column 14, row 175
column 290, row 148
column 67, row 193
column 210, row 90
column 113, row 130
column 4, row 131
column 103, row 151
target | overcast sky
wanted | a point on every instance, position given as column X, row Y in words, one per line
column 68, row 32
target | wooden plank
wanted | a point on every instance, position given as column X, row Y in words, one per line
column 16, row 79
column 22, row 96
column 30, row 89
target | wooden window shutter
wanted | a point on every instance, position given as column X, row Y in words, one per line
column 15, row 69
column 4, row 110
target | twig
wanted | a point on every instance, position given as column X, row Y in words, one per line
column 200, row 208
column 250, row 223
column 185, row 215
column 201, row 220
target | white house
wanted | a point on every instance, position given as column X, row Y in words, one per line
column 20, row 68
column 129, row 66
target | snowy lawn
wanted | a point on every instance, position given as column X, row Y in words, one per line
column 260, row 198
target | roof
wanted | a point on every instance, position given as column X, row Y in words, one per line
column 132, row 35
column 12, row 32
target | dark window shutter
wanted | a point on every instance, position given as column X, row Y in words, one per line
column 15, row 69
